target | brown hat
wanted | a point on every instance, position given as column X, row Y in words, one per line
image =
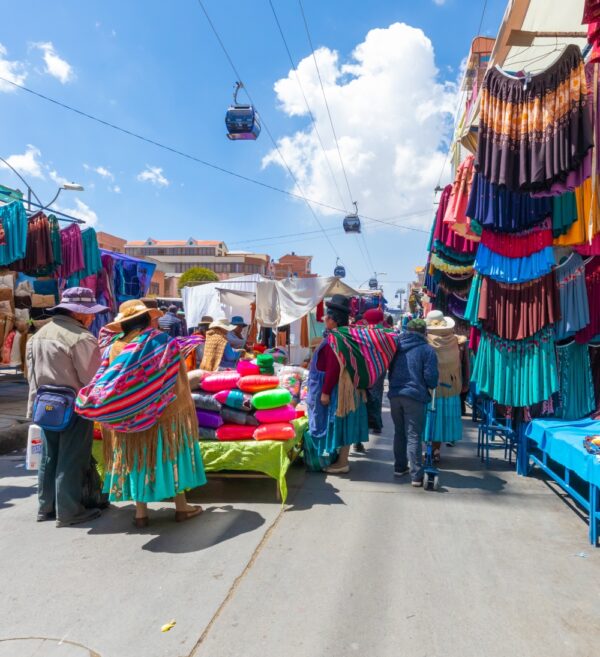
column 129, row 310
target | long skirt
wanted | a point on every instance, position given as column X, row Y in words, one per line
column 447, row 426
column 173, row 473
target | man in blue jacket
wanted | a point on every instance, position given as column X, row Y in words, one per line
column 413, row 372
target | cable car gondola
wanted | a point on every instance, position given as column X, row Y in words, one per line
column 352, row 222
column 241, row 120
column 340, row 270
column 373, row 283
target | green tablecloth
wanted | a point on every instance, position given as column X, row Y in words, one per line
column 271, row 457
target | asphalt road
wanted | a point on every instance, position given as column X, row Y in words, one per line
column 492, row 565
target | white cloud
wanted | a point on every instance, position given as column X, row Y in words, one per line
column 11, row 70
column 56, row 66
column 153, row 175
column 80, row 211
column 104, row 172
column 392, row 120
column 116, row 189
column 58, row 179
column 27, row 163
column 439, row 3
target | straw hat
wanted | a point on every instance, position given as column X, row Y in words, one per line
column 129, row 310
column 436, row 321
column 223, row 324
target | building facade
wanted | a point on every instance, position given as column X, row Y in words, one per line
column 292, row 265
column 111, row 242
column 177, row 256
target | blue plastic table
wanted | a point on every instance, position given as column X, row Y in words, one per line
column 561, row 442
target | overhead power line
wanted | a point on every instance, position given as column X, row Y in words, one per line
column 312, row 118
column 188, row 156
column 266, row 127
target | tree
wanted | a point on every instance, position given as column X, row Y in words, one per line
column 196, row 276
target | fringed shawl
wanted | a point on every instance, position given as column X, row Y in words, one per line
column 214, row 348
column 130, row 391
column 446, row 346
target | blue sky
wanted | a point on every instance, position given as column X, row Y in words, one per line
column 155, row 68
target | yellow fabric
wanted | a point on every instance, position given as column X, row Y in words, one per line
column 447, row 350
column 588, row 217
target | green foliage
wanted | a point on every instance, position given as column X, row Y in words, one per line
column 196, row 276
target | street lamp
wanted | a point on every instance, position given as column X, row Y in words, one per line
column 68, row 186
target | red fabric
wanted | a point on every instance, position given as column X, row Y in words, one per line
column 327, row 362
column 474, row 338
column 320, row 311
column 373, row 316
column 258, row 383
column 229, row 432
column 517, row 245
column 589, row 249
column 591, row 11
column 277, row 431
column 442, row 231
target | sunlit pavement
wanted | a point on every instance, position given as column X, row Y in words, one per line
column 492, row 565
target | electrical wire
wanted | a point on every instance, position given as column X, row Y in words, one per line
column 368, row 258
column 312, row 118
column 266, row 127
column 187, row 156
column 312, row 48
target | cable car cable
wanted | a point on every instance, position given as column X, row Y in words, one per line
column 239, row 77
column 199, row 160
column 312, row 118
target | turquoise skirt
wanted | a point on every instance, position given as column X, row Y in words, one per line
column 447, row 426
column 576, row 394
column 185, row 470
column 347, row 430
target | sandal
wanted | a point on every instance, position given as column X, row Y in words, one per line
column 182, row 516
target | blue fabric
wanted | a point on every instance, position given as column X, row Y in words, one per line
column 472, row 311
column 173, row 474
column 230, row 357
column 46, row 287
column 14, row 221
column 513, row 270
column 574, row 304
column 171, row 324
column 446, row 427
column 328, row 431
column 414, row 370
column 500, row 209
column 562, row 441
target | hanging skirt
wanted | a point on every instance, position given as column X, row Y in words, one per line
column 516, row 373
column 513, row 270
column 176, row 471
column 574, row 306
column 576, row 393
column 447, row 426
column 519, row 245
column 532, row 136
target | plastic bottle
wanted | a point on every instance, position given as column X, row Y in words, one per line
column 34, row 447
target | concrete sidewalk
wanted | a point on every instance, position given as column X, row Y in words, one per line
column 492, row 565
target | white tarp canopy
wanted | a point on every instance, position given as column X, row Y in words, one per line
column 221, row 299
column 279, row 303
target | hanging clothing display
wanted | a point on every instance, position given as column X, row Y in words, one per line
column 500, row 209
column 564, row 213
column 515, row 312
column 38, row 249
column 456, row 212
column 576, row 386
column 72, row 251
column 519, row 245
column 513, row 270
column 516, row 373
column 594, row 352
column 592, row 284
column 574, row 305
column 535, row 130
column 13, row 220
column 445, row 265
column 91, row 257
column 443, row 236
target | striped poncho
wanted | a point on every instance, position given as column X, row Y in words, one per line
column 131, row 393
column 365, row 353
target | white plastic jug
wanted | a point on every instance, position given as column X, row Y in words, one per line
column 34, row 447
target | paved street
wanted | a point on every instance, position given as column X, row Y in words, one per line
column 492, row 565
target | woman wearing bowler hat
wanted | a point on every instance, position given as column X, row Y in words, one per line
column 334, row 429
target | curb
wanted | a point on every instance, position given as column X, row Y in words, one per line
column 14, row 438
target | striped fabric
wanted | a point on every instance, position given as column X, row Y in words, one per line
column 366, row 353
column 131, row 393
